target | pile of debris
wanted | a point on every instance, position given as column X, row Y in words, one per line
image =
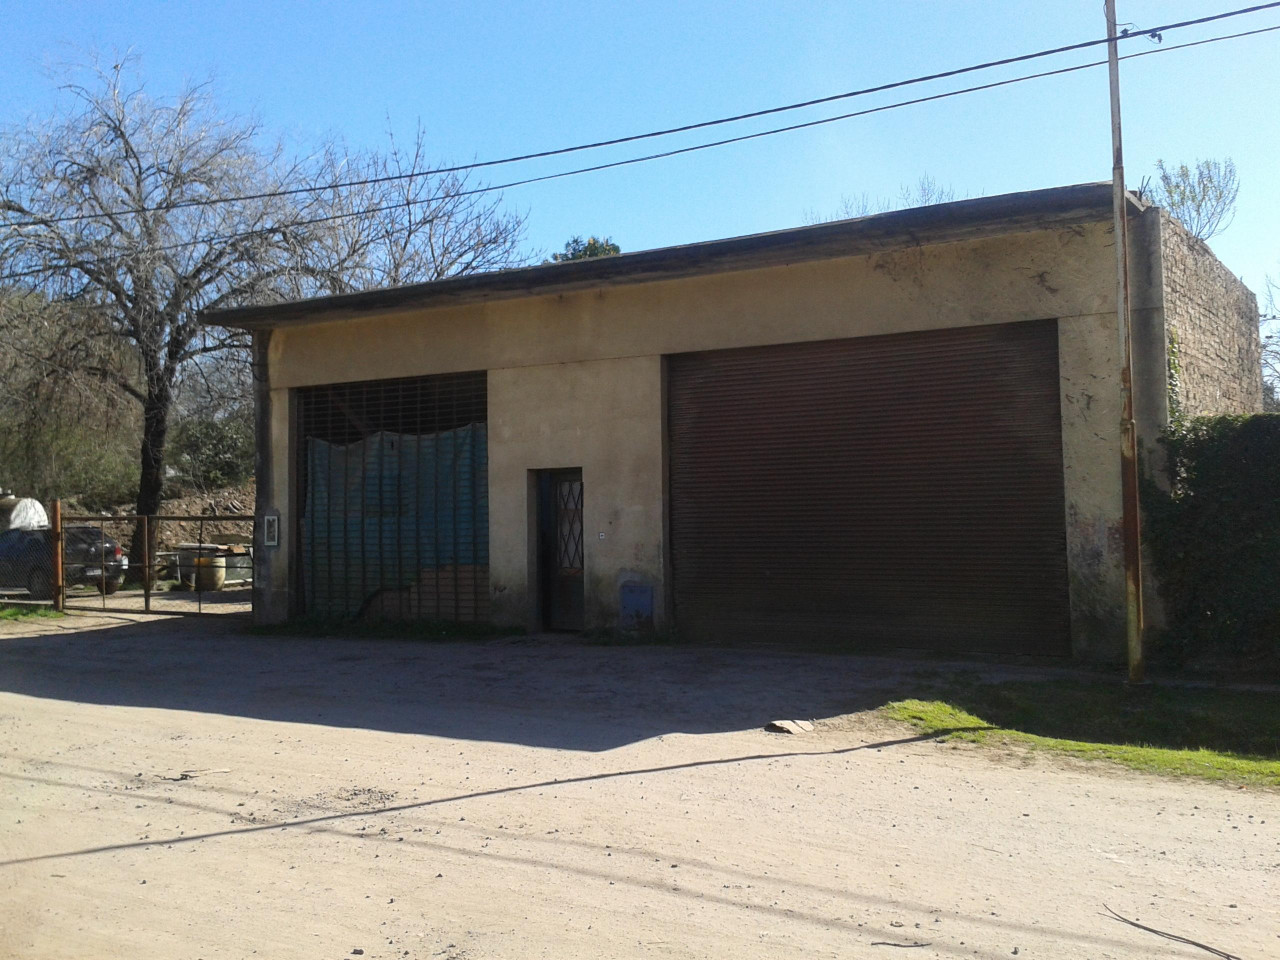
column 235, row 501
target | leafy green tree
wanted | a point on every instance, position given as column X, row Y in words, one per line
column 215, row 451
column 579, row 249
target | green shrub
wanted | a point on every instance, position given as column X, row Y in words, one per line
column 1214, row 537
column 212, row 452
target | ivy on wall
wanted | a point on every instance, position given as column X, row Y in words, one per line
column 1177, row 414
column 1214, row 537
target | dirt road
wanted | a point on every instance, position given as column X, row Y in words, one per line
column 175, row 789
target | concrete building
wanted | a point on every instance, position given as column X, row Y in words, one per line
column 899, row 430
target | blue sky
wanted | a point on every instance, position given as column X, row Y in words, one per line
column 490, row 79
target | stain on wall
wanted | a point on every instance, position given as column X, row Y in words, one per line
column 1089, row 368
column 605, row 417
column 575, row 380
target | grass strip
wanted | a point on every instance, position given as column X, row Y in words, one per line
column 17, row 612
column 953, row 722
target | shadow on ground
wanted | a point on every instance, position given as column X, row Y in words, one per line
column 565, row 693
column 534, row 691
column 1176, row 716
column 130, row 599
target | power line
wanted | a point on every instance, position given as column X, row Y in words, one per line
column 682, row 150
column 560, row 151
column 843, row 116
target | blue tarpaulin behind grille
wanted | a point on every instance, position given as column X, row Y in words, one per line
column 383, row 509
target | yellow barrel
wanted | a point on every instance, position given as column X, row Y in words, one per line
column 211, row 573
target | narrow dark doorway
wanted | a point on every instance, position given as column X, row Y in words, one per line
column 560, row 554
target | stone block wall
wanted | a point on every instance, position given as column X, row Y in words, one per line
column 1215, row 320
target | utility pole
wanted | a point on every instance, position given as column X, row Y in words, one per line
column 1128, row 429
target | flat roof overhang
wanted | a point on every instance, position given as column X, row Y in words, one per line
column 918, row 226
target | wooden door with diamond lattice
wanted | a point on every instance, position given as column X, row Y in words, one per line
column 561, row 548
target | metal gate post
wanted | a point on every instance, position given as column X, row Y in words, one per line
column 146, row 563
column 59, row 600
column 197, row 567
column 102, row 570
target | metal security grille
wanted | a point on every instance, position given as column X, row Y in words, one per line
column 569, row 521
column 902, row 490
column 394, row 503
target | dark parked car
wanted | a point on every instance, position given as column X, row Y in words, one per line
column 26, row 561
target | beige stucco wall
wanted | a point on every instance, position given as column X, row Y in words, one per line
column 1088, row 364
column 1016, row 277
column 575, row 380
column 271, row 584
column 606, row 417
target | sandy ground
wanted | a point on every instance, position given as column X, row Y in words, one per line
column 177, row 789
column 233, row 599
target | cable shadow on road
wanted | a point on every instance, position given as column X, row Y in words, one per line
column 330, row 823
column 437, row 801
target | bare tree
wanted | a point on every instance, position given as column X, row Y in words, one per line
column 114, row 205
column 925, row 192
column 1271, row 349
column 60, row 429
column 1202, row 198
column 396, row 226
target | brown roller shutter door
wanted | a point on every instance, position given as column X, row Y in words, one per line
column 901, row 490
